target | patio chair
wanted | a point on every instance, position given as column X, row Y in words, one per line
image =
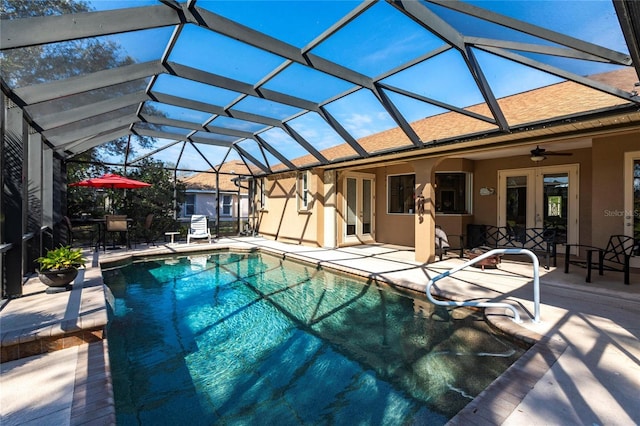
column 443, row 245
column 146, row 232
column 116, row 225
column 615, row 257
column 83, row 233
column 199, row 228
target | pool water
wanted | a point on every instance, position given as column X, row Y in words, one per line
column 239, row 338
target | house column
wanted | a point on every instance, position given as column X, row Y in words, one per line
column 425, row 210
column 330, row 217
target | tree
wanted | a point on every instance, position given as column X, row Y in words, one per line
column 57, row 61
column 156, row 199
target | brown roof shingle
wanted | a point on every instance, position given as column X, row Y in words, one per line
column 207, row 180
column 546, row 103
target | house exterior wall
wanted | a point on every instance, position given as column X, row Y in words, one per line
column 392, row 228
column 281, row 220
column 456, row 224
column 601, row 184
column 607, row 212
column 399, row 229
column 205, row 204
column 485, row 208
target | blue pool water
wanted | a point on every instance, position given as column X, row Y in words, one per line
column 245, row 339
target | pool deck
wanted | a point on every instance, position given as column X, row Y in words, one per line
column 584, row 367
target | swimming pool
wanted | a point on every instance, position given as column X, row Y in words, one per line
column 247, row 338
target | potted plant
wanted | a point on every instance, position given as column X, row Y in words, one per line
column 60, row 266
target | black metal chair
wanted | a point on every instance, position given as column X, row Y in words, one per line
column 615, row 257
column 147, row 231
column 117, row 225
column 82, row 233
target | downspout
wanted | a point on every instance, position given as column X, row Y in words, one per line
column 175, row 194
column 217, row 204
column 236, row 182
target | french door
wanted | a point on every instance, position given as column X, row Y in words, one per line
column 632, row 201
column 541, row 197
column 359, row 212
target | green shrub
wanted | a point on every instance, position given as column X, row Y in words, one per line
column 63, row 257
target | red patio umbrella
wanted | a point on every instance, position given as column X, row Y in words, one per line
column 112, row 181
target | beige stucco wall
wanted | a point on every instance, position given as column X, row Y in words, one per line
column 392, row 228
column 601, row 189
column 281, row 219
column 608, row 185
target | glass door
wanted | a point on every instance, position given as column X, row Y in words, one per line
column 632, row 201
column 541, row 197
column 516, row 197
column 555, row 202
column 359, row 208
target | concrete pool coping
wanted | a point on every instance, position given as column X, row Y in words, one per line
column 584, row 367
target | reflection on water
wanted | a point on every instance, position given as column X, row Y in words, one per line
column 247, row 338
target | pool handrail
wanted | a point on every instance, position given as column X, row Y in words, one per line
column 516, row 315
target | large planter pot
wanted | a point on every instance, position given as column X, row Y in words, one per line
column 58, row 280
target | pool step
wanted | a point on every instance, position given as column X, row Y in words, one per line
column 38, row 323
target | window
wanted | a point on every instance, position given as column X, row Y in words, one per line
column 263, row 193
column 227, row 204
column 452, row 194
column 304, row 198
column 400, row 192
column 190, row 204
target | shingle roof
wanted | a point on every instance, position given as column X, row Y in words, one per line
column 207, row 180
column 569, row 98
column 529, row 107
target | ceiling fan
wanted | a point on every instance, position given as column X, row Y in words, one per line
column 538, row 154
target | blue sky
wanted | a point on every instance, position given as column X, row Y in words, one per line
column 376, row 42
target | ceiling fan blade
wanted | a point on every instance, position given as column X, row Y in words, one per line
column 537, row 151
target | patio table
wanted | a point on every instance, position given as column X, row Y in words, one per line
column 172, row 234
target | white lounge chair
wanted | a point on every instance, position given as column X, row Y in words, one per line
column 199, row 262
column 199, row 228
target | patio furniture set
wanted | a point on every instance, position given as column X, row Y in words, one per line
column 616, row 256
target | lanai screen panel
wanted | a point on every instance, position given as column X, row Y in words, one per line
column 223, row 56
column 183, row 88
column 309, row 83
column 144, row 147
column 258, row 160
column 169, row 154
column 236, row 124
column 156, row 111
column 284, row 143
column 315, row 130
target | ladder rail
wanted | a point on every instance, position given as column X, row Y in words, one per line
column 516, row 315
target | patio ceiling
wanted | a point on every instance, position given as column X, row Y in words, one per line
column 287, row 85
